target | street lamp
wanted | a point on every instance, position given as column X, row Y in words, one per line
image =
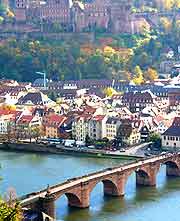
column 44, row 75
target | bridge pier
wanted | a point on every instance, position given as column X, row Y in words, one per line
column 47, row 205
column 147, row 177
column 145, row 180
column 79, row 199
column 114, row 189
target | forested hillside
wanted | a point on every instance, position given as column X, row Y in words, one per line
column 120, row 56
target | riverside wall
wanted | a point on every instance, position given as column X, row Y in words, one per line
column 39, row 148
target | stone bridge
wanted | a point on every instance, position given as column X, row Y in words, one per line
column 78, row 190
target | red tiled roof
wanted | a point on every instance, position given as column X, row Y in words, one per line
column 4, row 112
column 25, row 119
column 55, row 120
column 89, row 109
column 159, row 118
column 99, row 117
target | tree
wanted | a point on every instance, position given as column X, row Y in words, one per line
column 109, row 92
column 3, row 9
column 138, row 78
column 166, row 24
column 10, row 209
column 151, row 74
column 154, row 137
column 88, row 140
column 35, row 133
column 53, row 96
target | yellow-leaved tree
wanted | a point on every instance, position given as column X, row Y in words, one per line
column 151, row 74
column 109, row 92
column 138, row 77
column 10, row 209
column 166, row 24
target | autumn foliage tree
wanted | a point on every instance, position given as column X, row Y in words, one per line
column 109, row 92
column 138, row 76
column 151, row 74
column 10, row 209
column 166, row 24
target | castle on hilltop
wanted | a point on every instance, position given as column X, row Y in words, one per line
column 111, row 15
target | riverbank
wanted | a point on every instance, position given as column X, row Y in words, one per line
column 40, row 148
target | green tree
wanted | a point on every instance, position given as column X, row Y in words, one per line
column 154, row 137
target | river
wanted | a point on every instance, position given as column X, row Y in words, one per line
column 28, row 172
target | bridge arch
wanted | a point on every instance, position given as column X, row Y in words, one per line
column 73, row 200
column 110, row 186
column 142, row 177
column 172, row 168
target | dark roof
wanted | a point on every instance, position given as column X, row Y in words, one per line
column 137, row 97
column 39, row 81
column 172, row 131
column 34, row 97
column 112, row 120
column 96, row 91
column 153, row 88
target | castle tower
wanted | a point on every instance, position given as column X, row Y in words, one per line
column 120, row 16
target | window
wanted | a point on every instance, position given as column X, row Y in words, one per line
column 164, row 137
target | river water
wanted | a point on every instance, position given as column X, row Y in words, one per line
column 31, row 172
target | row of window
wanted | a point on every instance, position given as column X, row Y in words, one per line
column 167, row 144
column 20, row 5
column 110, row 135
column 172, row 138
column 111, row 131
column 137, row 100
column 110, row 126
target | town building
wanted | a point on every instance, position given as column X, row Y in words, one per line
column 112, row 126
column 174, row 99
column 52, row 124
column 137, row 101
column 80, row 127
column 97, row 127
column 129, row 132
column 27, row 127
column 171, row 137
column 35, row 98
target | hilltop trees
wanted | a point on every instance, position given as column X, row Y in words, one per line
column 21, row 60
column 126, row 57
